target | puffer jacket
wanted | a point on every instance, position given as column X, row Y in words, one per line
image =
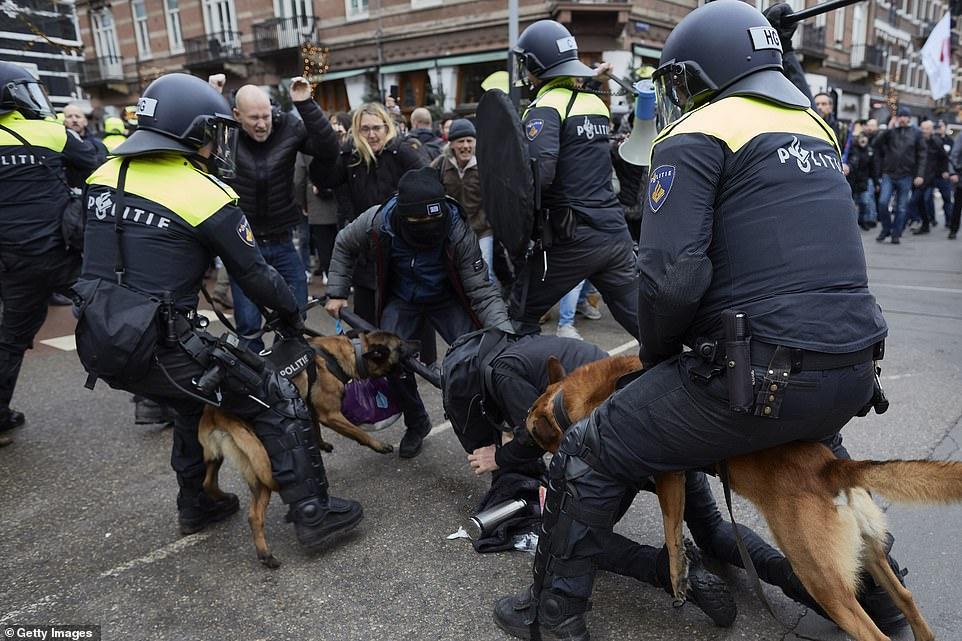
column 367, row 186
column 265, row 170
column 371, row 237
column 465, row 189
column 901, row 152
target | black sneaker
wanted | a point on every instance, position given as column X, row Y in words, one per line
column 895, row 240
column 557, row 619
column 11, row 419
column 951, row 235
column 196, row 513
column 317, row 521
column 920, row 230
column 412, row 441
column 881, row 237
column 709, row 592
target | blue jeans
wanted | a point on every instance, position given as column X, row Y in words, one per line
column 945, row 187
column 283, row 257
column 901, row 188
column 867, row 211
column 304, row 242
column 568, row 305
column 486, row 243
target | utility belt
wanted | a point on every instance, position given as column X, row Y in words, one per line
column 557, row 224
column 737, row 353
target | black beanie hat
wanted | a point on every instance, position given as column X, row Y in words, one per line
column 420, row 194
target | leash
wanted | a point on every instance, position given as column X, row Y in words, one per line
column 748, row 565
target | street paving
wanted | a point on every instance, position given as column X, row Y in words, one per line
column 88, row 529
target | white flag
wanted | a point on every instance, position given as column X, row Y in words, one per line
column 937, row 58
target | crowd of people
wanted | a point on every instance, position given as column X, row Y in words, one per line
column 390, row 215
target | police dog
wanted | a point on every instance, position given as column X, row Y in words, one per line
column 224, row 435
column 817, row 506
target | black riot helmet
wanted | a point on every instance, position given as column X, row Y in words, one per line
column 548, row 50
column 721, row 49
column 20, row 91
column 182, row 113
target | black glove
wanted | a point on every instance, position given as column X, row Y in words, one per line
column 774, row 15
column 291, row 326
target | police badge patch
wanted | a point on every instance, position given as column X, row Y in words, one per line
column 659, row 186
column 534, row 128
column 245, row 233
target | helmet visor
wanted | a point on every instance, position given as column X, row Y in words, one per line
column 31, row 97
column 223, row 154
column 679, row 88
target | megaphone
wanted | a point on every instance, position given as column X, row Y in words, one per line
column 637, row 149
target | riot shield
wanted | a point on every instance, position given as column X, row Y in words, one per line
column 507, row 185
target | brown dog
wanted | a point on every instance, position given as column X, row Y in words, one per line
column 816, row 505
column 223, row 435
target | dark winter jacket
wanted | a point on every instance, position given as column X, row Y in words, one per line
column 861, row 162
column 370, row 236
column 466, row 189
column 901, row 152
column 936, row 160
column 429, row 144
column 265, row 170
column 367, row 186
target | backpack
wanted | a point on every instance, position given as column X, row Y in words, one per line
column 465, row 374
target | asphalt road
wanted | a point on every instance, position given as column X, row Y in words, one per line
column 88, row 523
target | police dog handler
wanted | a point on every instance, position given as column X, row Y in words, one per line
column 177, row 217
column 747, row 211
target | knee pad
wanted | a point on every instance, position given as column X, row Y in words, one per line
column 284, row 398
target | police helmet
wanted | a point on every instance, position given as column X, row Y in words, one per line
column 182, row 113
column 723, row 48
column 20, row 91
column 548, row 50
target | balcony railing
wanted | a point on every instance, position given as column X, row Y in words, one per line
column 279, row 34
column 102, row 70
column 813, row 41
column 221, row 46
column 868, row 57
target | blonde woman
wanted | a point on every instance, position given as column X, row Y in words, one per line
column 366, row 173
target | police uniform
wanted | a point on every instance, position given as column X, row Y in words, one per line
column 34, row 261
column 746, row 210
column 176, row 217
column 568, row 134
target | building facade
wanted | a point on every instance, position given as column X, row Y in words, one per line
column 437, row 52
column 43, row 36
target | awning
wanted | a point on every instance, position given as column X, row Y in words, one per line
column 450, row 61
column 346, row 73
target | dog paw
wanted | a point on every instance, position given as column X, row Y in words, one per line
column 382, row 448
column 327, row 447
column 270, row 561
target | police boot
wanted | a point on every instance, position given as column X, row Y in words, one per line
column 147, row 412
column 553, row 616
column 196, row 509
column 876, row 601
column 706, row 590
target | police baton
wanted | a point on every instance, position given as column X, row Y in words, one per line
column 817, row 10
column 411, row 363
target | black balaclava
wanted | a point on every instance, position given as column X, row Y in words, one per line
column 421, row 220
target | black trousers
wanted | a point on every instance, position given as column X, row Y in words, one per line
column 26, row 283
column 186, row 456
column 322, row 243
column 408, row 321
column 664, row 422
column 607, row 259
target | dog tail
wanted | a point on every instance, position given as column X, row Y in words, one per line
column 902, row 481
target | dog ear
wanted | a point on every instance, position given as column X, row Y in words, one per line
column 377, row 354
column 545, row 434
column 556, row 371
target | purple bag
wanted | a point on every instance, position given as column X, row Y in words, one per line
column 369, row 405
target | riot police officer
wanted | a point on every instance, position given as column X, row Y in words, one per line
column 584, row 234
column 177, row 217
column 748, row 254
column 115, row 133
column 34, row 259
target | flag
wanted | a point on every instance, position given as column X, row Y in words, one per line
column 937, row 58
